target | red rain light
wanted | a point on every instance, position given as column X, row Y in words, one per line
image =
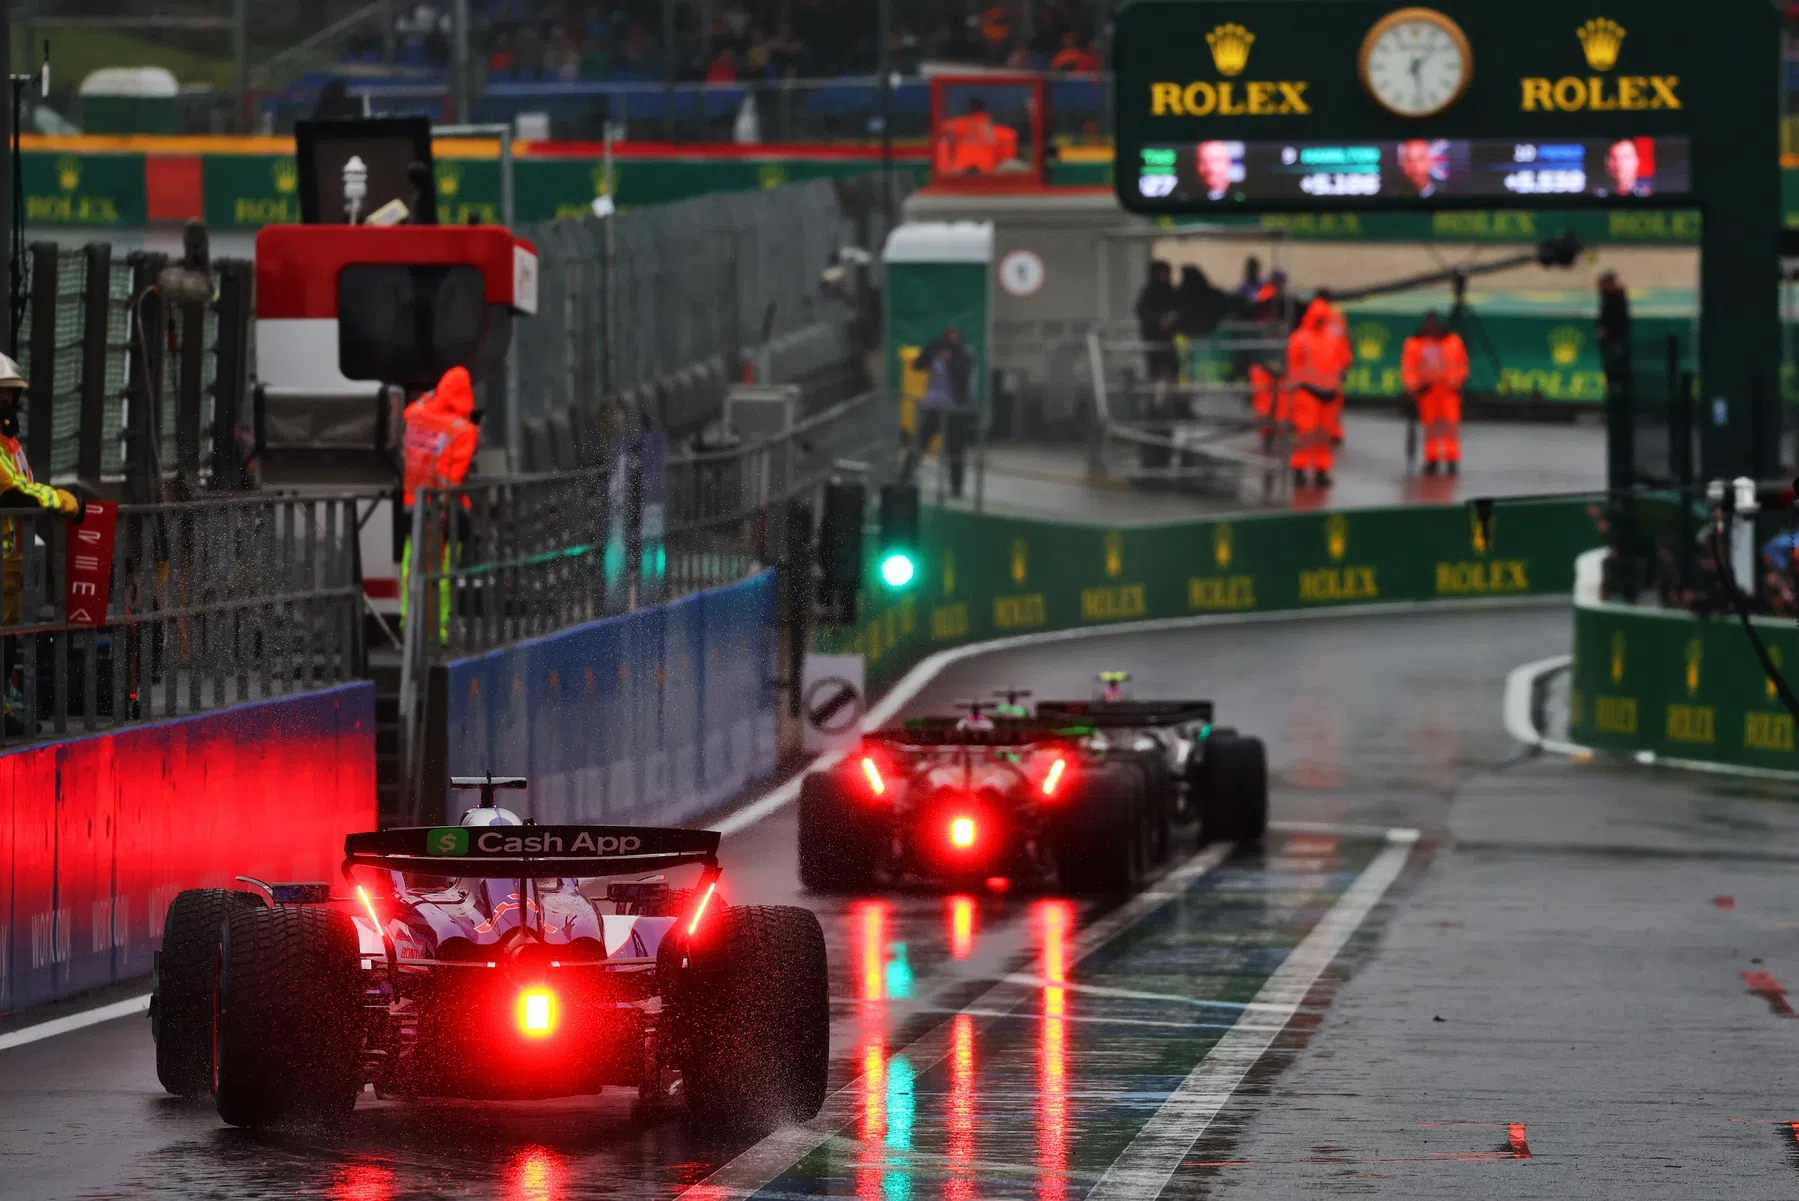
column 876, row 785
column 961, row 927
column 1054, row 779
column 537, row 1013
column 699, row 910
column 962, row 832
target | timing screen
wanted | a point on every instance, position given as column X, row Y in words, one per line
column 1421, row 169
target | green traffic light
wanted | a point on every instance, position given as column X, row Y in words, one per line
column 897, row 570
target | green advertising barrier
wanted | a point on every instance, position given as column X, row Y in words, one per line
column 1544, row 341
column 1681, row 687
column 247, row 191
column 985, row 577
column 90, row 190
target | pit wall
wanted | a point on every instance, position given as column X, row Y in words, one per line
column 1675, row 685
column 650, row 718
column 98, row 834
column 987, row 577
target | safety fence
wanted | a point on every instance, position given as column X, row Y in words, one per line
column 98, row 834
column 1676, row 684
column 145, row 612
column 495, row 564
column 98, row 336
column 992, row 577
column 663, row 308
column 648, row 718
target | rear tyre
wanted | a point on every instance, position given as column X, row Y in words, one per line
column 753, row 1020
column 839, row 841
column 186, row 971
column 1103, row 844
column 1233, row 795
column 287, row 1035
column 1160, row 799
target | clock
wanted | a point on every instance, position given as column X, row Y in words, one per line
column 1416, row 62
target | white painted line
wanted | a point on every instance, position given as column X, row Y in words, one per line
column 1344, row 830
column 75, row 1021
column 928, row 668
column 765, row 1162
column 1145, row 1167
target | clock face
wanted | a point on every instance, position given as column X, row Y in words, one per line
column 1416, row 65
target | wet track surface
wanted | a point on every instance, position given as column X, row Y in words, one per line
column 1544, row 992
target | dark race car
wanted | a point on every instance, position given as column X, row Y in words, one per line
column 491, row 960
column 1194, row 770
column 1085, row 795
column 960, row 801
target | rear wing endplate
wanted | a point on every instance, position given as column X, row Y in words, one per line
column 1125, row 714
column 531, row 851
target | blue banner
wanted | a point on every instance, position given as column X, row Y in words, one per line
column 653, row 717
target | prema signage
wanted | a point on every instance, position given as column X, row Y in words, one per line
column 88, row 564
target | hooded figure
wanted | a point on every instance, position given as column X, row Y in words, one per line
column 1318, row 354
column 440, row 436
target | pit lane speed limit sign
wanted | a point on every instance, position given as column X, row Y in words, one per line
column 831, row 700
column 1021, row 273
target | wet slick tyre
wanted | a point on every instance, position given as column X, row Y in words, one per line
column 754, row 1020
column 185, row 972
column 1233, row 800
column 1104, row 840
column 839, row 844
column 287, row 1035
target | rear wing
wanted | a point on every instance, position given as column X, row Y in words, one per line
column 531, row 851
column 948, row 732
column 1125, row 714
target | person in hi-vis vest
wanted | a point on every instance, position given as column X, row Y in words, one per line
column 1318, row 354
column 1433, row 368
column 440, row 443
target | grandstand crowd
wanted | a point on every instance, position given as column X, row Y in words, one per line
column 745, row 40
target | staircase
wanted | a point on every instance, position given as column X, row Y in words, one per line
column 384, row 669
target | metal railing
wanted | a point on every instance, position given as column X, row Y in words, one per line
column 211, row 603
column 1199, row 432
column 496, row 563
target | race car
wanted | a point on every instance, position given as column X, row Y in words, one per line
column 493, row 960
column 1088, row 795
column 1194, row 770
column 962, row 800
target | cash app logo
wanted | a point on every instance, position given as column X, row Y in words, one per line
column 447, row 840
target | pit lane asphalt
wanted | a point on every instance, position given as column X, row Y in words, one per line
column 1560, row 918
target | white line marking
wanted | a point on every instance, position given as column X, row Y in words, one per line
column 1144, row 1168
column 928, row 668
column 1343, row 830
column 74, row 1021
column 765, row 1162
